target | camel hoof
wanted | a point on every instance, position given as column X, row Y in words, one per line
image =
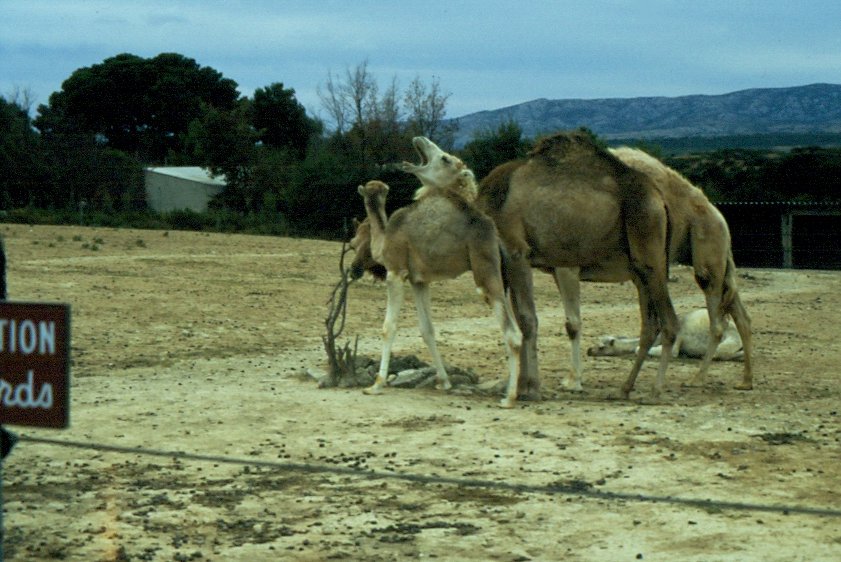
column 529, row 396
column 446, row 385
column 626, row 393
column 507, row 403
column 743, row 386
column 372, row 390
column 573, row 386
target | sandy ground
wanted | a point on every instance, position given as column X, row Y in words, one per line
column 194, row 437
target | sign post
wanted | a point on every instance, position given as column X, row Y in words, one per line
column 34, row 372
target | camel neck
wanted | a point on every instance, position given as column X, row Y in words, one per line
column 376, row 213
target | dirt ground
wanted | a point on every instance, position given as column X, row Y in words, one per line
column 194, row 436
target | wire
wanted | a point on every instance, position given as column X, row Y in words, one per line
column 572, row 488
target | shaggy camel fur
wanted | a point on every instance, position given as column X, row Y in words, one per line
column 693, row 340
column 700, row 237
column 439, row 236
column 573, row 204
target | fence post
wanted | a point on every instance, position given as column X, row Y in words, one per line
column 786, row 228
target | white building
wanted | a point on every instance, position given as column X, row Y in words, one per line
column 182, row 187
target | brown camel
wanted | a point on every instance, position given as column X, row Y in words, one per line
column 698, row 234
column 439, row 236
column 572, row 204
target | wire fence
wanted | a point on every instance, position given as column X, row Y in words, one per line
column 757, row 237
column 572, row 488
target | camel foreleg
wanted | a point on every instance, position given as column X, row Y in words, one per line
column 521, row 293
column 394, row 287
column 569, row 286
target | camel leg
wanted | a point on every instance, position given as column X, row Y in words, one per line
column 658, row 315
column 423, row 305
column 668, row 323
column 394, row 287
column 569, row 285
column 743, row 324
column 521, row 290
column 512, row 338
column 717, row 323
column 648, row 333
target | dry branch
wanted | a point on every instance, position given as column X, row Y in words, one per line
column 341, row 361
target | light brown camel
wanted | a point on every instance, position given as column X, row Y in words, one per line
column 439, row 236
column 699, row 235
column 572, row 204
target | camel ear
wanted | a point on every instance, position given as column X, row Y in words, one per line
column 361, row 189
column 356, row 222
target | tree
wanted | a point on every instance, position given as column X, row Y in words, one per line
column 225, row 142
column 491, row 148
column 23, row 169
column 282, row 122
column 140, row 106
column 427, row 109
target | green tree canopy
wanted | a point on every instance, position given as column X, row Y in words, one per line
column 137, row 105
column 491, row 148
column 23, row 169
column 281, row 121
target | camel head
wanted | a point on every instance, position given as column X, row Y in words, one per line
column 438, row 169
column 610, row 346
column 374, row 188
column 364, row 260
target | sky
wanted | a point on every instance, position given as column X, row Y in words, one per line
column 486, row 54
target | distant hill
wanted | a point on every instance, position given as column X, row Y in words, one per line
column 815, row 108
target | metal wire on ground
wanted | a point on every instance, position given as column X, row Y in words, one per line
column 573, row 488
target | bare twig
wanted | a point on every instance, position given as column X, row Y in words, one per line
column 341, row 361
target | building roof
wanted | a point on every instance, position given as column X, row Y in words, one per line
column 192, row 173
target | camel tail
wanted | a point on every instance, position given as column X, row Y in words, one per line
column 505, row 265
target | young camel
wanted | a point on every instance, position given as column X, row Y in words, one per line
column 439, row 236
column 572, row 204
column 699, row 236
column 693, row 340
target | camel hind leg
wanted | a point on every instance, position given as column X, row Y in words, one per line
column 743, row 324
column 647, row 239
column 487, row 274
column 423, row 305
column 657, row 315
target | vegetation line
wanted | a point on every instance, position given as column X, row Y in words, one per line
column 570, row 488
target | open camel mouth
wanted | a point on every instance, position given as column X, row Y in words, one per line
column 420, row 147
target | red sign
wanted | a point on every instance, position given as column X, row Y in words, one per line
column 35, row 364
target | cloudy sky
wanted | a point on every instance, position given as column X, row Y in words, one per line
column 486, row 54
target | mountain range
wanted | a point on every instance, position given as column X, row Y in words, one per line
column 815, row 108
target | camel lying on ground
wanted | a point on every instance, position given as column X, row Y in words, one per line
column 693, row 340
column 439, row 236
column 572, row 204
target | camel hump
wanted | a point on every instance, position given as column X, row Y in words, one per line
column 560, row 146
